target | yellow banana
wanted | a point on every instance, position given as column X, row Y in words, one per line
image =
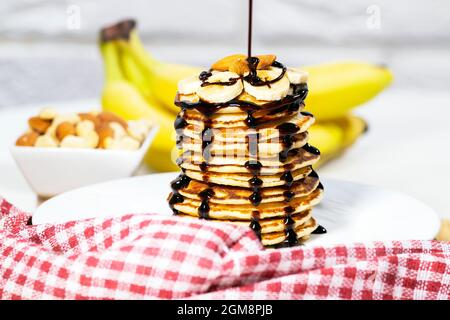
column 336, row 88
column 333, row 137
column 162, row 78
column 121, row 97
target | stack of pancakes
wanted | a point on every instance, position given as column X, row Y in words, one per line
column 248, row 161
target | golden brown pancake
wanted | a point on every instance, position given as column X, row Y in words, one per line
column 243, row 179
column 221, row 194
column 246, row 211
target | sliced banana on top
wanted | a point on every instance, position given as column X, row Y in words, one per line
column 189, row 85
column 216, row 93
column 297, row 76
column 275, row 91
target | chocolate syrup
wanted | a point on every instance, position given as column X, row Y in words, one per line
column 313, row 173
column 320, row 230
column 309, row 148
column 256, row 227
column 181, row 182
column 288, row 178
column 205, row 195
column 288, row 195
column 204, row 166
column 255, row 198
column 204, row 75
column 255, row 182
column 288, row 128
column 253, row 166
column 291, row 236
column 180, row 122
column 230, row 82
column 307, row 114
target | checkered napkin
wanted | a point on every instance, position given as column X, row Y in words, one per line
column 150, row 256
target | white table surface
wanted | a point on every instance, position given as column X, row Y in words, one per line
column 405, row 149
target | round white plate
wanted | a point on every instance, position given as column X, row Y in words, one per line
column 350, row 212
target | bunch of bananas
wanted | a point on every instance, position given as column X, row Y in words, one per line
column 139, row 86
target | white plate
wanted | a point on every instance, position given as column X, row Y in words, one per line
column 350, row 212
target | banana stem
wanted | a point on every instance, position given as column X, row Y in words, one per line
column 110, row 55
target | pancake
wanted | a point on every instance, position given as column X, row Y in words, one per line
column 236, row 195
column 270, row 225
column 301, row 233
column 243, row 148
column 239, row 119
column 243, row 179
column 297, row 156
column 246, row 211
column 239, row 134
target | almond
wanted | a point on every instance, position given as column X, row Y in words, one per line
column 104, row 132
column 90, row 117
column 48, row 114
column 240, row 66
column 225, row 63
column 27, row 139
column 106, row 116
column 64, row 129
column 265, row 61
column 39, row 125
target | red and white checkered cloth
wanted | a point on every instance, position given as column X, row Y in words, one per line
column 150, row 256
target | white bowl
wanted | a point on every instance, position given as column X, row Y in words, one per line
column 50, row 171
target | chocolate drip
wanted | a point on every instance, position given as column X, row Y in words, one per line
column 205, row 195
column 253, row 78
column 204, row 166
column 204, row 75
column 253, row 166
column 320, row 186
column 180, row 122
column 288, row 128
column 255, row 198
column 313, row 173
column 288, row 178
column 175, row 198
column 289, row 210
column 291, row 235
column 251, row 121
column 254, row 223
column 255, row 182
column 230, row 82
column 309, row 148
column 320, row 230
column 288, row 195
column 307, row 114
column 181, row 182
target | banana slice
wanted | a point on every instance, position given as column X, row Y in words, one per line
column 216, row 93
column 297, row 76
column 189, row 85
column 276, row 91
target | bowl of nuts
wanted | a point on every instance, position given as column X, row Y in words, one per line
column 60, row 152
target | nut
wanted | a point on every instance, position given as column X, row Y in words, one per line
column 104, row 131
column 240, row 66
column 90, row 117
column 85, row 127
column 106, row 116
column 48, row 114
column 70, row 117
column 138, row 130
column 27, row 140
column 72, row 141
column 118, row 130
column 225, row 63
column 125, row 143
column 39, row 125
column 64, row 129
column 265, row 61
column 46, row 141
